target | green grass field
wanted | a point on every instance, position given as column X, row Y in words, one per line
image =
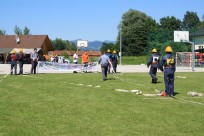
column 83, row 105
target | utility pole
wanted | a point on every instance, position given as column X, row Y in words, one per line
column 120, row 43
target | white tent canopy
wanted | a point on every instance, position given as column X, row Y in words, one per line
column 25, row 51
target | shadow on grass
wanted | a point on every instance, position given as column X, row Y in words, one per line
column 175, row 93
column 159, row 82
column 110, row 78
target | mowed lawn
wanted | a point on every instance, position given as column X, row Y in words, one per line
column 82, row 104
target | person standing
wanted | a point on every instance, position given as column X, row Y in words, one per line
column 46, row 57
column 85, row 59
column 20, row 61
column 114, row 59
column 168, row 66
column 154, row 63
column 75, row 57
column 13, row 62
column 75, row 60
column 43, row 58
column 104, row 60
column 34, row 60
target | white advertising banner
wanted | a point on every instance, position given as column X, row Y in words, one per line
column 53, row 66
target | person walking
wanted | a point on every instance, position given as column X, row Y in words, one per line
column 114, row 59
column 108, row 53
column 34, row 60
column 85, row 60
column 20, row 61
column 168, row 65
column 104, row 60
column 154, row 63
column 13, row 62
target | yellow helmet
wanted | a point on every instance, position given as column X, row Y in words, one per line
column 108, row 50
column 114, row 51
column 154, row 50
column 21, row 50
column 168, row 49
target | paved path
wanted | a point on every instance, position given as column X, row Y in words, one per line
column 5, row 69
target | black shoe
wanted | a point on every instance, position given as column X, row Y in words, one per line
column 155, row 81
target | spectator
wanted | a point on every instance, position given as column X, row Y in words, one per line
column 34, row 60
column 75, row 57
column 85, row 59
column 13, row 62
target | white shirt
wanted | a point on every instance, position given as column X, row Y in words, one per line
column 75, row 57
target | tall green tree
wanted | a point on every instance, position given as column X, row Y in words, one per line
column 165, row 31
column 135, row 26
column 106, row 46
column 2, row 32
column 190, row 21
column 17, row 30
column 26, row 31
column 70, row 45
column 170, row 23
column 60, row 44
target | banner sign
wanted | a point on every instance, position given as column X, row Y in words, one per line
column 53, row 66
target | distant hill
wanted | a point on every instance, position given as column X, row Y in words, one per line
column 95, row 45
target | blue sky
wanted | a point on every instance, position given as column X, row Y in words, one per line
column 85, row 19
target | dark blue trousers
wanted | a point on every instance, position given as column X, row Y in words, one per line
column 13, row 67
column 104, row 70
column 153, row 72
column 114, row 67
column 169, row 81
column 34, row 65
column 20, row 67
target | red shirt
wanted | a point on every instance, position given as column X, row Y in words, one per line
column 13, row 57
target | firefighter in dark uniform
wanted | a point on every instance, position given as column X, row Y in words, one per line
column 114, row 59
column 154, row 62
column 167, row 65
column 20, row 61
column 108, row 53
column 13, row 62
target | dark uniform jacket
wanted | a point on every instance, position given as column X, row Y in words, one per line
column 168, row 62
column 153, row 60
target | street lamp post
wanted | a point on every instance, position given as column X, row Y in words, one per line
column 121, row 43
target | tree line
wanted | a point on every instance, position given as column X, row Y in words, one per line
column 141, row 33
column 138, row 33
